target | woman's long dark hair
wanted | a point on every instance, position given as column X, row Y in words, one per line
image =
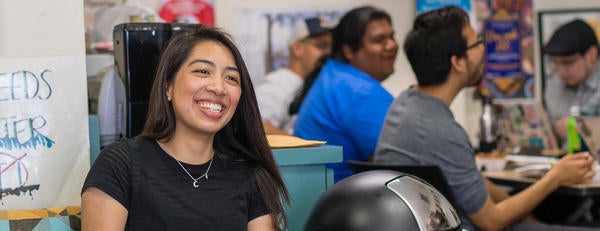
column 349, row 32
column 244, row 134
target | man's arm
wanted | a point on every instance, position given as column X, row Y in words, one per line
column 571, row 169
column 496, row 193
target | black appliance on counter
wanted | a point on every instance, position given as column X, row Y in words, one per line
column 137, row 50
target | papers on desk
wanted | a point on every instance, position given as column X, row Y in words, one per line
column 286, row 141
column 537, row 166
column 533, row 170
column 531, row 166
column 520, row 160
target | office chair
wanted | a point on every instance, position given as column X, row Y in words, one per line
column 429, row 173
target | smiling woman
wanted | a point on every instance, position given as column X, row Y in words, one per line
column 205, row 91
column 203, row 151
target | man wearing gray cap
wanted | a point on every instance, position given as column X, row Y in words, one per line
column 310, row 39
column 573, row 89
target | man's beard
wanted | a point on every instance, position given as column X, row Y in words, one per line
column 476, row 75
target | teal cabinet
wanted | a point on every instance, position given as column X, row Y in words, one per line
column 306, row 178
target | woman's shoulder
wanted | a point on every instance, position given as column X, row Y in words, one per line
column 233, row 158
column 116, row 147
column 125, row 147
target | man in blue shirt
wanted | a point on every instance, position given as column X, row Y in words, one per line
column 346, row 103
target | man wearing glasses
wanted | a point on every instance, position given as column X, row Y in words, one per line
column 573, row 89
column 419, row 129
column 310, row 40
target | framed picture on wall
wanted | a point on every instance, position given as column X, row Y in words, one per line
column 550, row 21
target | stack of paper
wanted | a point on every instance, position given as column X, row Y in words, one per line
column 286, row 141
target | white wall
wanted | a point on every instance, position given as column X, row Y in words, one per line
column 30, row 28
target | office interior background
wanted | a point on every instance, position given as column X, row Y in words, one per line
column 38, row 29
column 41, row 29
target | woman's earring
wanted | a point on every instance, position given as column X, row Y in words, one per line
column 169, row 98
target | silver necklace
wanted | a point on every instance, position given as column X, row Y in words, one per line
column 205, row 175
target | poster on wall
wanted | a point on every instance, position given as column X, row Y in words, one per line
column 503, row 74
column 427, row 5
column 44, row 145
column 508, row 29
column 264, row 34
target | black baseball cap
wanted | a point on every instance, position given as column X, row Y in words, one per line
column 573, row 37
column 309, row 27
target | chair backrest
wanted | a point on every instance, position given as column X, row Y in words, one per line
column 429, row 173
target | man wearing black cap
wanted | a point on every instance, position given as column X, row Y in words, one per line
column 310, row 39
column 573, row 90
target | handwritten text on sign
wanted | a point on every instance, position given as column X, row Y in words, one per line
column 43, row 132
column 22, row 85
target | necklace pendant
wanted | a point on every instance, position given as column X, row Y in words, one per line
column 195, row 184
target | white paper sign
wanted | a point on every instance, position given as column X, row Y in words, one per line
column 44, row 145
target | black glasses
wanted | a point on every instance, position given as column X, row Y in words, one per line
column 480, row 40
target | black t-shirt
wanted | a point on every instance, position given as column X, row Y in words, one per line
column 159, row 195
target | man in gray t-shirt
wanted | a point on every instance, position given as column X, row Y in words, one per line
column 446, row 56
column 420, row 130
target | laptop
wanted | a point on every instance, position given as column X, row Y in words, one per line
column 589, row 131
column 524, row 124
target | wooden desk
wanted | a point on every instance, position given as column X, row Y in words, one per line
column 583, row 215
column 514, row 179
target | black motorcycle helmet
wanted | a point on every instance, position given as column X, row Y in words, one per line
column 382, row 200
